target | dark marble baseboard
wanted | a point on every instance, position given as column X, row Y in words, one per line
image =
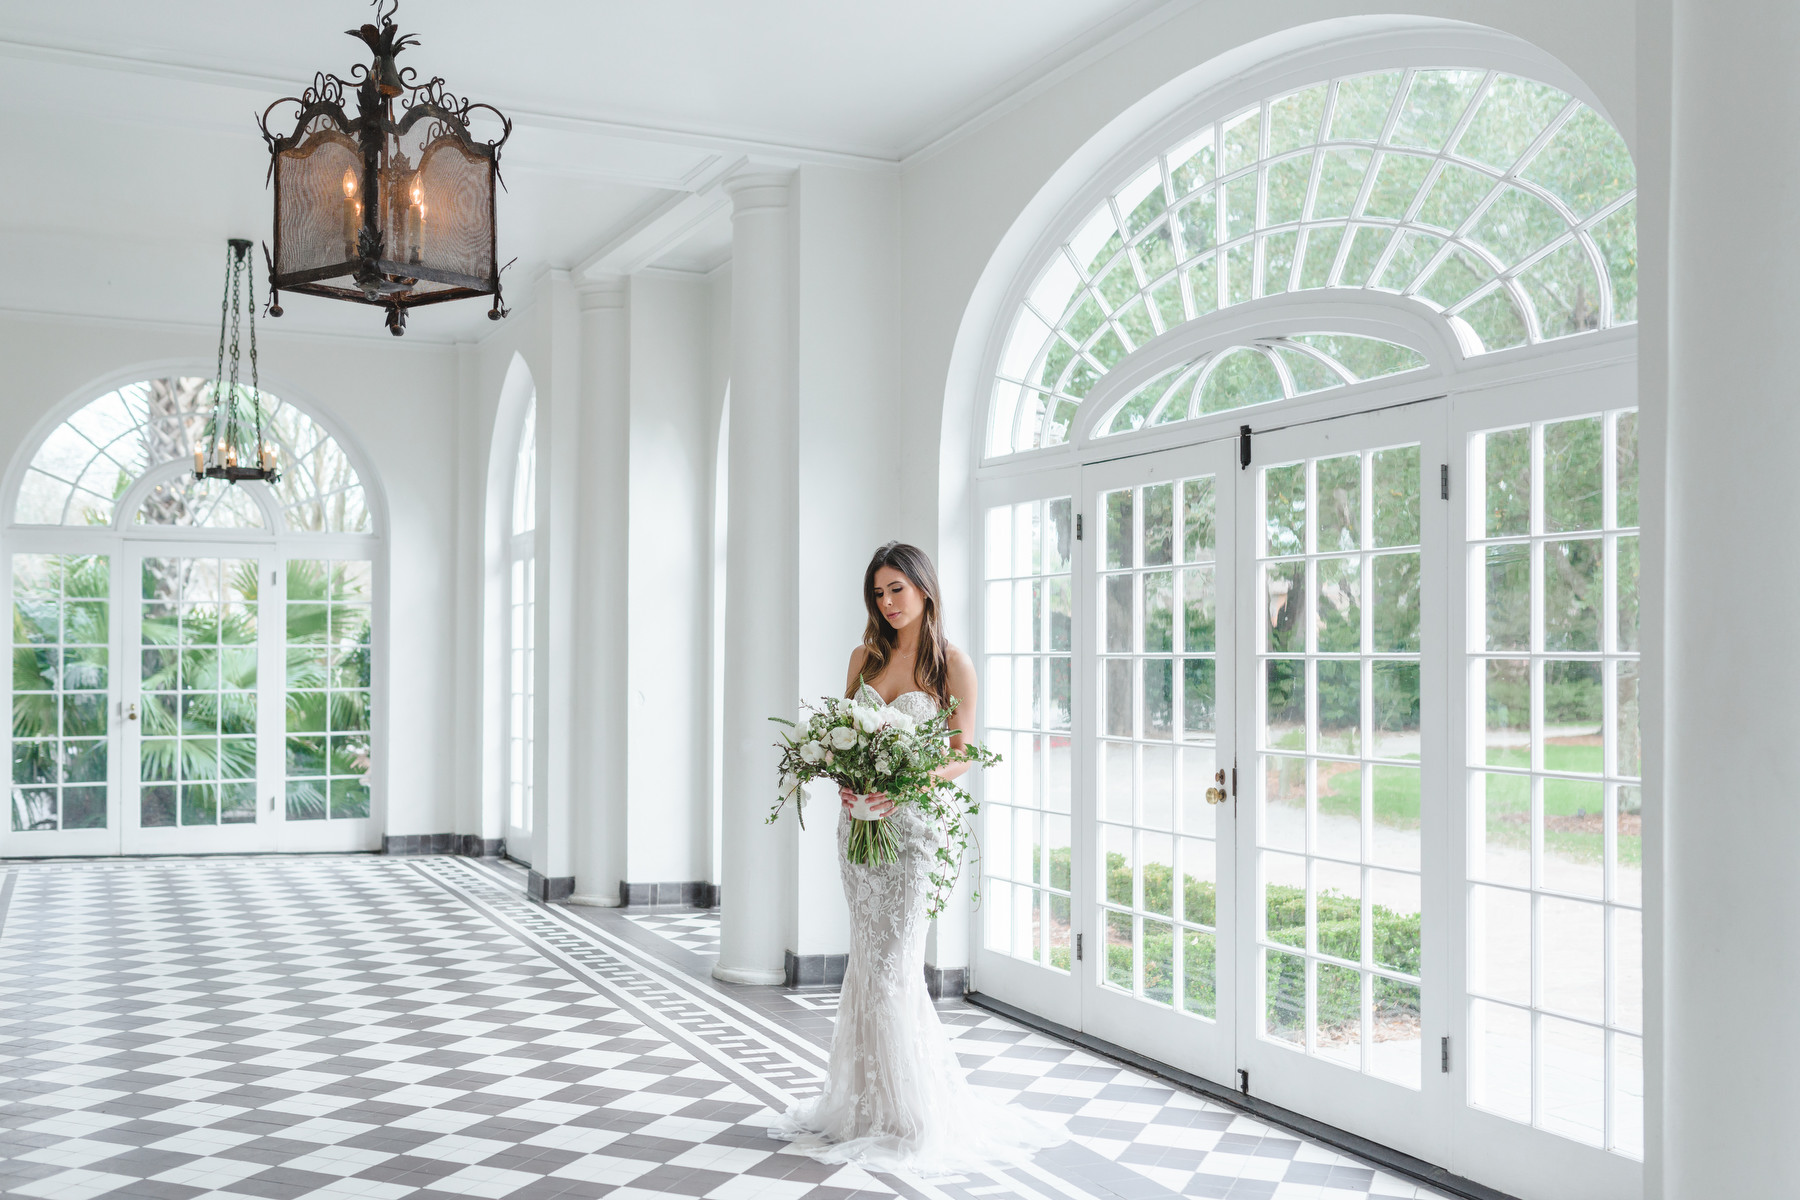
column 946, row 983
column 547, row 889
column 815, row 970
column 696, row 893
column 470, row 844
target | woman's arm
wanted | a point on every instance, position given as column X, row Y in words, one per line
column 962, row 721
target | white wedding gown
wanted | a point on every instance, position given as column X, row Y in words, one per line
column 895, row 1098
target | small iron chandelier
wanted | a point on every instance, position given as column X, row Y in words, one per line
column 394, row 210
column 233, row 434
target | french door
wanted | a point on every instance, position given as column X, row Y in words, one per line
column 1323, row 767
column 1342, row 999
column 186, row 696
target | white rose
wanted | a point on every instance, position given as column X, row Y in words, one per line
column 893, row 718
column 790, row 785
column 811, row 752
column 867, row 719
column 882, row 764
column 843, row 738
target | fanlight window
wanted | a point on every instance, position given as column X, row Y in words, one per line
column 83, row 468
column 1271, row 369
column 1503, row 204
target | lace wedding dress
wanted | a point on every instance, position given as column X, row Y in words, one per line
column 895, row 1097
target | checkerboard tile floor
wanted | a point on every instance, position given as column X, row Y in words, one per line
column 385, row 1028
column 691, row 929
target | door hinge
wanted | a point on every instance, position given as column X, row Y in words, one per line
column 1078, row 527
column 1244, row 1081
column 1078, row 947
column 1243, row 447
column 1443, row 481
column 1444, row 1054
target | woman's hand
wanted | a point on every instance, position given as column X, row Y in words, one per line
column 879, row 804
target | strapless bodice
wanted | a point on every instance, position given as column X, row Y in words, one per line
column 918, row 705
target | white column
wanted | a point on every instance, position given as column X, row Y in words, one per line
column 1731, row 1090
column 558, row 432
column 602, row 633
column 761, row 676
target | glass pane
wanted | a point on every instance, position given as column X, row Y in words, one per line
column 1120, row 875
column 1199, row 979
column 1394, row 693
column 1626, row 457
column 1337, row 910
column 1284, row 592
column 1199, row 608
column 1572, row 595
column 1284, row 803
column 1197, row 700
column 1500, row 951
column 1284, row 997
column 1340, row 503
column 1338, row 1033
column 1508, row 703
column 1575, row 837
column 1398, row 1037
column 1395, row 834
column 1394, row 914
column 1284, row 704
column 1500, row 1059
column 1394, row 490
column 1339, row 620
column 1118, row 786
column 1284, row 509
column 1199, row 537
column 1284, row 899
column 1573, row 451
column 1508, row 597
column 1159, row 962
column 1573, row 1063
column 1508, row 469
column 1573, row 957
column 1159, row 612
column 1199, row 887
column 1395, row 582
column 1118, row 530
column 1340, row 707
column 1500, row 828
column 1159, row 524
column 1119, row 615
column 1338, row 823
column 1119, row 965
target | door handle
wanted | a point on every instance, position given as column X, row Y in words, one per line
column 1216, row 794
column 131, row 712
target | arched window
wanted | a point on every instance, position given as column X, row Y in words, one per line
column 1503, row 205
column 82, row 470
column 224, row 634
column 522, row 638
column 1309, row 621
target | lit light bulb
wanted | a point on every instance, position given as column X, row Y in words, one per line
column 418, row 193
column 349, row 182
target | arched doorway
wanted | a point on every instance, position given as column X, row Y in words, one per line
column 195, row 663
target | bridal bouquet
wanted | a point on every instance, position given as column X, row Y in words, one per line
column 881, row 749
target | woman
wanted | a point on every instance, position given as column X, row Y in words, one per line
column 895, row 1098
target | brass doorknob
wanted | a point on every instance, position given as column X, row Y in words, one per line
column 1215, row 795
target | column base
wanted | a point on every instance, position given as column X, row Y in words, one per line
column 815, row 970
column 696, row 893
column 547, row 889
column 586, row 900
column 946, row 983
column 476, row 846
column 747, row 975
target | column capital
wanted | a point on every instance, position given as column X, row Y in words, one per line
column 607, row 291
column 758, row 188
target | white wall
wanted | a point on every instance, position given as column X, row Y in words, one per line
column 394, row 406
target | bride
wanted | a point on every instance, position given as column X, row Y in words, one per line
column 895, row 1097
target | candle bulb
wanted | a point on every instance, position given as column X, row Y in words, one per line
column 415, row 223
column 352, row 214
column 199, row 460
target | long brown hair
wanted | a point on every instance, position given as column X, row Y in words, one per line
column 931, row 668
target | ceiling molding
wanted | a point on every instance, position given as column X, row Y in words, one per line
column 718, row 140
column 1071, row 58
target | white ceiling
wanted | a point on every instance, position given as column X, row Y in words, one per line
column 131, row 150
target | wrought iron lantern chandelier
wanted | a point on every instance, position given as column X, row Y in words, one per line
column 393, row 206
column 233, row 435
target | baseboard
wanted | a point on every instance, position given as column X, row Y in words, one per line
column 471, row 845
column 548, row 889
column 946, row 983
column 697, row 893
column 584, row 900
column 815, row 970
column 1385, row 1157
